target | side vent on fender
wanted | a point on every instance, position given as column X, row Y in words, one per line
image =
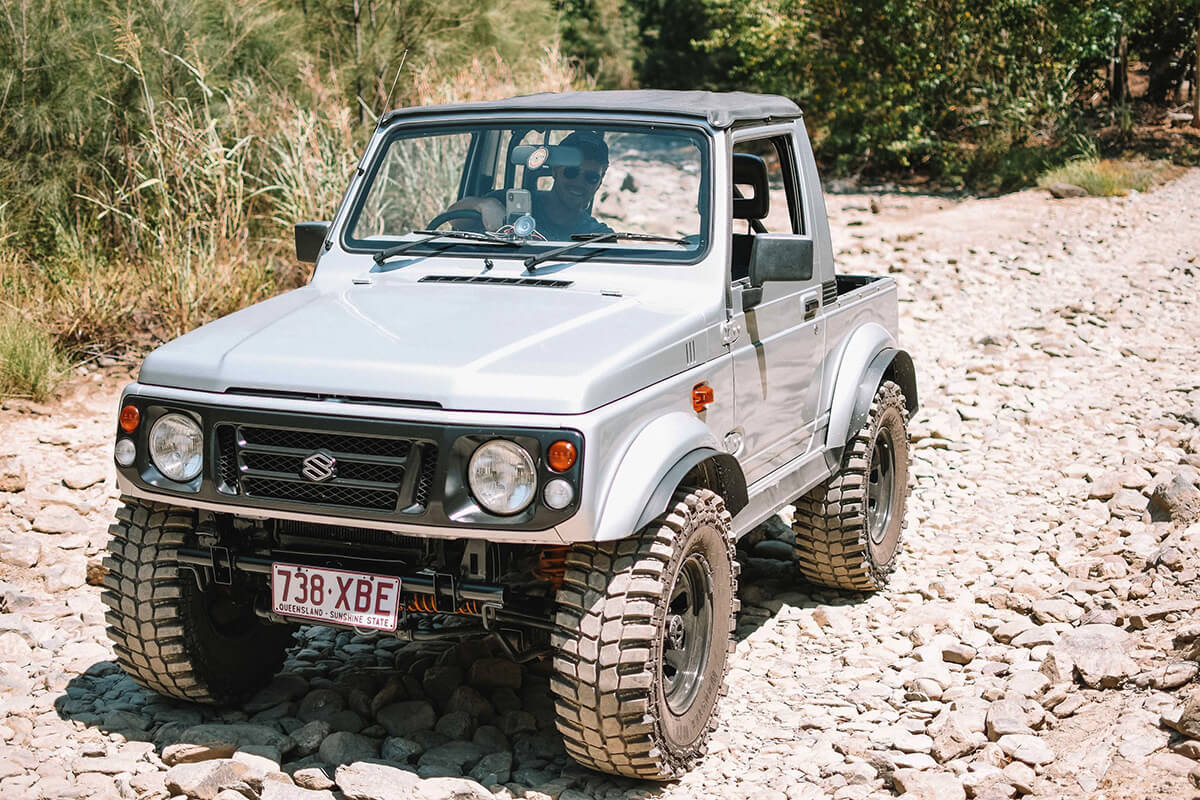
column 829, row 292
column 689, row 352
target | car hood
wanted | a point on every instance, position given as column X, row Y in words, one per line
column 460, row 346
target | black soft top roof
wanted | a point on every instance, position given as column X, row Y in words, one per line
column 720, row 109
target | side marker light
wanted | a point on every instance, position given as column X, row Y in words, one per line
column 702, row 396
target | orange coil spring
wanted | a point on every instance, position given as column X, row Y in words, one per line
column 552, row 565
column 423, row 602
column 427, row 604
column 468, row 607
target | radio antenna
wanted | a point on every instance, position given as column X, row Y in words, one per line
column 388, row 106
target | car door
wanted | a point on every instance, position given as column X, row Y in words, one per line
column 779, row 342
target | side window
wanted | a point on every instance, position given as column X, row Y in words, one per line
column 765, row 197
column 783, row 211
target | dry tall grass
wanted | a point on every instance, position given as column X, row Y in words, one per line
column 1104, row 177
column 201, row 210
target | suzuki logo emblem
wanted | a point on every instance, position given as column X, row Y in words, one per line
column 320, row 466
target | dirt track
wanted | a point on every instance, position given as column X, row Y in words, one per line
column 1056, row 347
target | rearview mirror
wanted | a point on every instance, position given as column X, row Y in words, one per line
column 310, row 236
column 780, row 257
column 536, row 156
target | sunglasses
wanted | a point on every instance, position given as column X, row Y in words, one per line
column 591, row 176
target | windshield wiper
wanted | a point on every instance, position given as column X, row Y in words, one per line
column 468, row 236
column 580, row 239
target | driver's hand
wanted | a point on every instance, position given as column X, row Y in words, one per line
column 489, row 208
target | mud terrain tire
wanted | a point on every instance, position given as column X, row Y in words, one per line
column 207, row 647
column 848, row 529
column 643, row 636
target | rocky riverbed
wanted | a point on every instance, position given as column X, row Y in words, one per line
column 1040, row 638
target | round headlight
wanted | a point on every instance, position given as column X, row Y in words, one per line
column 502, row 477
column 177, row 447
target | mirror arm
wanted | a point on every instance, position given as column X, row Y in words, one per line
column 751, row 296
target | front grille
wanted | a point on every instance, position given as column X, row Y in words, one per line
column 227, row 469
column 425, row 482
column 323, row 494
column 311, row 441
column 368, row 473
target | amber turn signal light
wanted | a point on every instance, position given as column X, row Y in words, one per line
column 130, row 418
column 702, row 395
column 561, row 456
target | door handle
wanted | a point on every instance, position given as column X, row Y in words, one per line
column 811, row 304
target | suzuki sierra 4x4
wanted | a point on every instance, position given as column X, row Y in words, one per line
column 557, row 354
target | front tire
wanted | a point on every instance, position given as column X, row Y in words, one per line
column 203, row 646
column 848, row 529
column 642, row 641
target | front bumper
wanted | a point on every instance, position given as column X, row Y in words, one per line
column 407, row 477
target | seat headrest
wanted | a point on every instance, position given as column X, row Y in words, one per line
column 750, row 171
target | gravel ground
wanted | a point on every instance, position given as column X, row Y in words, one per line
column 1040, row 637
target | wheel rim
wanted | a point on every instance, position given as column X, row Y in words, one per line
column 687, row 634
column 881, row 482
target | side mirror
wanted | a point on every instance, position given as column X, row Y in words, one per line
column 310, row 237
column 780, row 257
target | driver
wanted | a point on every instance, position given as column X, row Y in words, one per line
column 564, row 210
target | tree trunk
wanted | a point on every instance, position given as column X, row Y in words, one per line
column 1196, row 80
column 1118, row 91
column 362, row 112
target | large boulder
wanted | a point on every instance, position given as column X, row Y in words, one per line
column 236, row 734
column 274, row 790
column 402, row 719
column 495, row 673
column 346, row 748
column 366, row 781
column 1187, row 719
column 1176, row 501
column 952, row 735
column 929, row 785
column 1061, row 191
column 205, row 779
column 13, row 477
column 1098, row 653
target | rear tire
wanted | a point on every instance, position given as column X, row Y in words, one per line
column 643, row 635
column 172, row 638
column 848, row 529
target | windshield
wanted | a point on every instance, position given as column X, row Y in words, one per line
column 537, row 187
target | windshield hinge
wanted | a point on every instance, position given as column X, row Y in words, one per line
column 730, row 331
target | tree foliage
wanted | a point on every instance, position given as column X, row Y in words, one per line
column 602, row 35
column 947, row 86
column 897, row 84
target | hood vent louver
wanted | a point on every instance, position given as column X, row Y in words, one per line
column 544, row 283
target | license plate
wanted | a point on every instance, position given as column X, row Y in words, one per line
column 335, row 595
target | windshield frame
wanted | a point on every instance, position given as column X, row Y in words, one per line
column 668, row 255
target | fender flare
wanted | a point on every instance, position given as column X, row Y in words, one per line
column 729, row 477
column 658, row 452
column 853, row 395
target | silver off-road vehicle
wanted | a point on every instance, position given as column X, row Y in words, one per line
column 557, row 354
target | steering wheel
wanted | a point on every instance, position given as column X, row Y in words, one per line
column 458, row 213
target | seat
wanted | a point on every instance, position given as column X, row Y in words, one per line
column 748, row 171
